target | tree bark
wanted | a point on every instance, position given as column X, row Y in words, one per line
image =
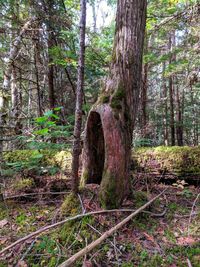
column 36, row 62
column 79, row 100
column 5, row 92
column 171, row 93
column 179, row 127
column 165, row 111
column 109, row 127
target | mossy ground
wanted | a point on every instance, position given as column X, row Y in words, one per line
column 145, row 241
column 181, row 161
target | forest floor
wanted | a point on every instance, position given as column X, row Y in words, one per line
column 168, row 234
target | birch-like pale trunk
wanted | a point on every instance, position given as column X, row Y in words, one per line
column 5, row 91
column 79, row 100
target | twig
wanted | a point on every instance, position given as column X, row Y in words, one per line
column 108, row 233
column 48, row 227
column 116, row 255
column 28, row 250
column 192, row 210
column 186, row 215
column 35, row 194
column 82, row 206
column 97, row 231
column 189, row 263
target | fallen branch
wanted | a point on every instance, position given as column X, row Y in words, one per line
column 36, row 194
column 48, row 227
column 108, row 233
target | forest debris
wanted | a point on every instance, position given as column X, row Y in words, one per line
column 78, row 216
column 108, row 233
column 186, row 240
column 3, row 223
column 189, row 263
column 193, row 207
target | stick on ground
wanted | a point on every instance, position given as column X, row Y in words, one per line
column 108, row 233
column 79, row 216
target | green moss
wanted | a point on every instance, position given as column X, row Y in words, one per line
column 117, row 97
column 115, row 104
column 84, row 178
column 108, row 195
column 23, row 184
column 19, row 155
column 140, row 198
column 71, row 205
column 104, row 99
column 177, row 160
column 61, row 159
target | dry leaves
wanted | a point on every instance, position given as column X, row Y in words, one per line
column 3, row 223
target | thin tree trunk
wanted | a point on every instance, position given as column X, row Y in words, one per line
column 6, row 90
column 165, row 115
column 94, row 16
column 179, row 127
column 79, row 100
column 36, row 61
column 50, row 74
column 144, row 88
column 171, row 94
column 109, row 127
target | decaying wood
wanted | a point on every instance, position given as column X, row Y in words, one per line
column 108, row 233
column 110, row 123
column 79, row 216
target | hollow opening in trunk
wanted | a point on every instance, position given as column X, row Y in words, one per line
column 96, row 147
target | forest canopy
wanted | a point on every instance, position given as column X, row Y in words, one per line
column 41, row 74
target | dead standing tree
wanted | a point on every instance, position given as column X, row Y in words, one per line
column 109, row 127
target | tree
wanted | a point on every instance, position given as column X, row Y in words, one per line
column 109, row 127
column 79, row 99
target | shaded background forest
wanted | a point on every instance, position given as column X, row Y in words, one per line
column 41, row 98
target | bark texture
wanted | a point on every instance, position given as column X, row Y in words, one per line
column 79, row 100
column 5, row 91
column 107, row 144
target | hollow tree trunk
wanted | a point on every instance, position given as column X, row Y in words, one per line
column 107, row 144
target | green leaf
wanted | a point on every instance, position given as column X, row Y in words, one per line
column 42, row 131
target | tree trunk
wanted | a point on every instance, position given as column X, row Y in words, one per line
column 144, row 87
column 36, row 62
column 6, row 90
column 50, row 73
column 79, row 100
column 179, row 127
column 165, row 109
column 109, row 127
column 171, row 92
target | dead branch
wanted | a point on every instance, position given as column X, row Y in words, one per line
column 51, row 226
column 36, row 194
column 108, row 233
